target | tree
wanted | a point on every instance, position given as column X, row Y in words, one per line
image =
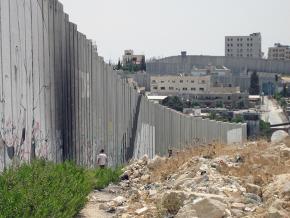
column 173, row 102
column 284, row 91
column 220, row 104
column 119, row 66
column 143, row 64
column 254, row 85
column 195, row 104
column 265, row 129
column 238, row 119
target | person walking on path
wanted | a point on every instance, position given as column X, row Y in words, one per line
column 102, row 159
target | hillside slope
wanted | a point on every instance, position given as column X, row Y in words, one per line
column 252, row 180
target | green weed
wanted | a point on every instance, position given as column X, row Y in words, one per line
column 43, row 189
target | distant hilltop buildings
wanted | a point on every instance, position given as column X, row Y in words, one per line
column 279, row 52
column 133, row 62
column 251, row 47
column 244, row 46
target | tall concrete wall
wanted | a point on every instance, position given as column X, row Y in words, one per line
column 59, row 100
column 179, row 64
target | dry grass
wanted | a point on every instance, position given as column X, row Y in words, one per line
column 260, row 161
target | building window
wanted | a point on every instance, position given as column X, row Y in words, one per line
column 192, row 81
column 181, row 81
column 201, row 89
column 193, row 89
column 171, row 88
column 162, row 88
column 173, row 81
column 229, row 97
column 184, row 89
column 155, row 88
column 153, row 81
column 162, row 81
column 202, row 81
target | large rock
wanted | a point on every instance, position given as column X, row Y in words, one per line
column 275, row 213
column 285, row 152
column 155, row 162
column 239, row 206
column 120, row 200
column 187, row 211
column 145, row 178
column 207, row 207
column 279, row 187
column 141, row 210
column 252, row 188
column 252, row 198
column 172, row 201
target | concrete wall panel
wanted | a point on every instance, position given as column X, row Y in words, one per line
column 60, row 100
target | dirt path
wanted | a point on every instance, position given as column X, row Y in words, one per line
column 96, row 198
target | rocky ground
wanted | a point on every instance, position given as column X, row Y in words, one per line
column 251, row 180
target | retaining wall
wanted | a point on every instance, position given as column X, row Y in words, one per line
column 179, row 64
column 59, row 100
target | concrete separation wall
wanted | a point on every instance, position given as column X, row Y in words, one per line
column 59, row 100
column 179, row 64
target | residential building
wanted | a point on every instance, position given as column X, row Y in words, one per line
column 279, row 52
column 182, row 84
column 198, row 89
column 244, row 46
column 130, row 57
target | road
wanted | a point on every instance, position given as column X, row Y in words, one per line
column 273, row 113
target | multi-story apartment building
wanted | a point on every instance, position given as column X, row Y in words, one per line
column 279, row 52
column 182, row 84
column 244, row 46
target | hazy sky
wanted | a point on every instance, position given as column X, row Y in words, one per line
column 165, row 27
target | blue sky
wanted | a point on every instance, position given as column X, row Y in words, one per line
column 159, row 28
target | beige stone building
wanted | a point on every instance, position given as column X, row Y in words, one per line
column 279, row 52
column 182, row 84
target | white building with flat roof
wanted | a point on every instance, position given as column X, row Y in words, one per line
column 279, row 52
column 244, row 46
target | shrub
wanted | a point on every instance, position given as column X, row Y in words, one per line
column 105, row 176
column 43, row 189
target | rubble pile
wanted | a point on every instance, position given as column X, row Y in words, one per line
column 252, row 180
